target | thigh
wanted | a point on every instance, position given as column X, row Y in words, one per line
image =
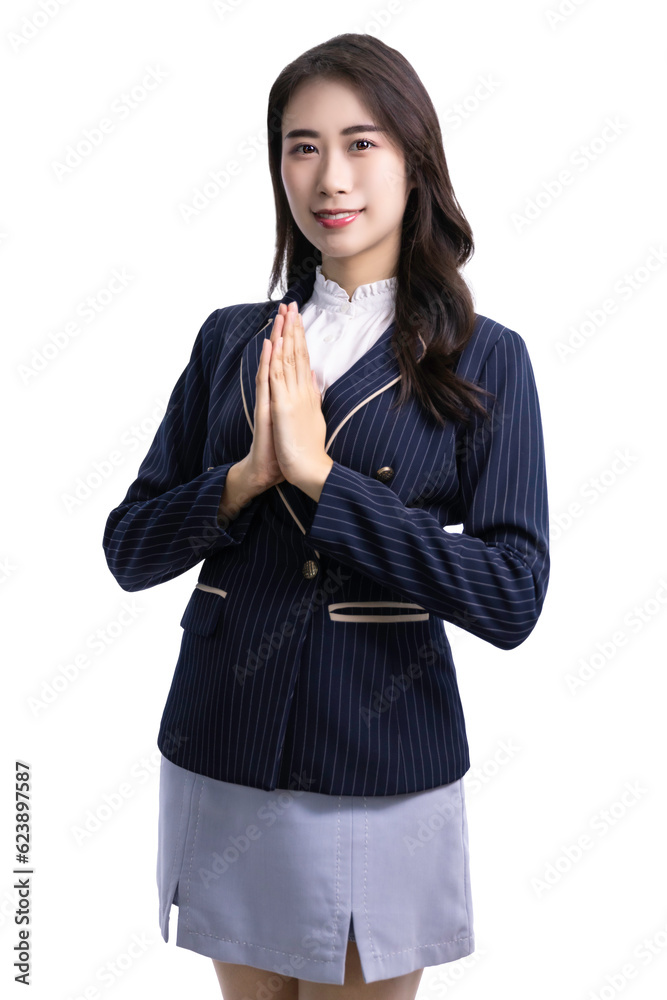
column 356, row 988
column 239, row 982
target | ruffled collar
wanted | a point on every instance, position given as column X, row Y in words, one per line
column 328, row 294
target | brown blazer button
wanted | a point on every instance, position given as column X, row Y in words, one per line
column 384, row 474
column 309, row 569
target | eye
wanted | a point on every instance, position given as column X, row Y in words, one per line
column 310, row 146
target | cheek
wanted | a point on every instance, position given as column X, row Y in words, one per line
column 293, row 184
column 289, row 175
column 391, row 192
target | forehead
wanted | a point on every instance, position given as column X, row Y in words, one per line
column 324, row 104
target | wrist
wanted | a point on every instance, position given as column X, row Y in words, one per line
column 312, row 482
column 240, row 488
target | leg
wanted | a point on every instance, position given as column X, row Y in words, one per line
column 245, row 982
column 355, row 988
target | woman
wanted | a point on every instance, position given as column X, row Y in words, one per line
column 312, row 825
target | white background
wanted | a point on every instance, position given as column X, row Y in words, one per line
column 555, row 82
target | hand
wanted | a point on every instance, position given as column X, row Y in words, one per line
column 262, row 465
column 299, row 427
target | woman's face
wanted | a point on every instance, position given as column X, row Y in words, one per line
column 361, row 171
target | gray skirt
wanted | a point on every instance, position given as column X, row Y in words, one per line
column 282, row 880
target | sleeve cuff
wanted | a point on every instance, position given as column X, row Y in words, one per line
column 325, row 523
column 220, row 534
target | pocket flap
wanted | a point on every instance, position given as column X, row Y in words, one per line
column 202, row 612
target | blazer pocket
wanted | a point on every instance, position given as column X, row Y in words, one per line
column 339, row 613
column 204, row 609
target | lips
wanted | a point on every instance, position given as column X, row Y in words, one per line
column 337, row 220
column 343, row 213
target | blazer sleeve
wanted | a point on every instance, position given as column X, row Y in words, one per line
column 490, row 579
column 168, row 521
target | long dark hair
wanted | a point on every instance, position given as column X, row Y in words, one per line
column 432, row 297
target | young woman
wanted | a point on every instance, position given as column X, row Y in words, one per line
column 312, row 826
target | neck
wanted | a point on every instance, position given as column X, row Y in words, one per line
column 350, row 272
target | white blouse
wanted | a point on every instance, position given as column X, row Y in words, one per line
column 339, row 330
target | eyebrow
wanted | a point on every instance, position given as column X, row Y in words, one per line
column 310, row 133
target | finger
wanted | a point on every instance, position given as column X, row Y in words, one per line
column 288, row 356
column 301, row 352
column 276, row 375
column 276, row 330
column 265, row 354
column 262, row 378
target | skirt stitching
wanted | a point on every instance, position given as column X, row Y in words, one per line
column 175, row 854
column 401, row 951
column 338, row 907
column 323, row 961
column 368, row 923
column 466, row 874
column 192, row 855
column 217, row 937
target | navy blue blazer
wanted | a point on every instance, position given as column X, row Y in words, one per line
column 314, row 651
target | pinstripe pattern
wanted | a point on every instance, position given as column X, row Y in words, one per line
column 271, row 681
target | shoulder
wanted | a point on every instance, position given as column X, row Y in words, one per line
column 490, row 340
column 232, row 326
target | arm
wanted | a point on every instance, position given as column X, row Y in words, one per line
column 173, row 514
column 491, row 579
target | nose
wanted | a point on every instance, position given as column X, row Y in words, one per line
column 334, row 176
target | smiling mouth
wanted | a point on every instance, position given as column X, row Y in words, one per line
column 338, row 215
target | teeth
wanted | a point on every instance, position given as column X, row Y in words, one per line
column 341, row 215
